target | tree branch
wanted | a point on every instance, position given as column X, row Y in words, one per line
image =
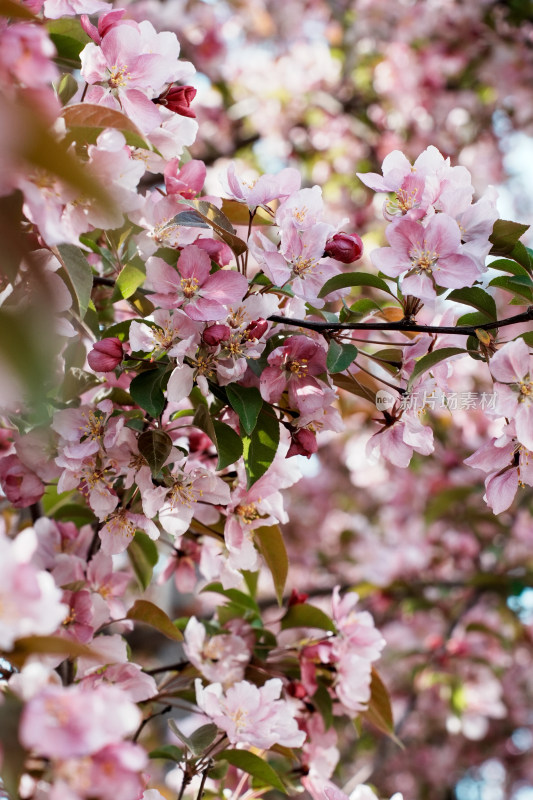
column 411, row 327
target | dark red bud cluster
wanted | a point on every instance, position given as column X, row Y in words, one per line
column 178, row 99
column 344, row 247
column 106, row 355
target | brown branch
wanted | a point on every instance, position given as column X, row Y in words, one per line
column 410, row 327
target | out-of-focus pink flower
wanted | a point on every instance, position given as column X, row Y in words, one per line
column 21, row 486
column 344, row 247
column 30, row 602
column 106, row 355
column 69, row 722
column 221, row 658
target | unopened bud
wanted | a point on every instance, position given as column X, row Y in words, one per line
column 303, row 443
column 106, row 355
column 297, row 598
column 256, row 329
column 178, row 99
column 344, row 247
column 215, row 334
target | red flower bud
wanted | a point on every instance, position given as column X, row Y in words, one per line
column 344, row 247
column 106, row 355
column 303, row 443
column 178, row 99
column 297, row 597
column 215, row 334
column 256, row 329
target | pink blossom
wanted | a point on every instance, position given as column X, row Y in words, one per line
column 293, row 366
column 262, row 190
column 509, row 465
column 512, row 366
column 187, row 181
column 69, row 722
column 21, row 486
column 255, row 716
column 30, row 602
column 54, row 9
column 119, row 529
column 431, row 255
column 201, row 295
column 221, row 658
column 26, row 53
column 131, row 66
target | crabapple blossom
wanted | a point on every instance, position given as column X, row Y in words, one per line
column 512, row 367
column 252, row 715
column 429, row 255
column 30, row 602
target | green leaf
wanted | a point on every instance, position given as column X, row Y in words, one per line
column 504, row 265
column 120, row 329
column 519, row 285
column 167, row 751
column 69, row 38
column 347, row 279
column 76, row 382
column 228, row 443
column 66, row 88
column 324, row 705
column 523, row 255
column 79, row 275
column 247, row 402
column 477, row 298
column 379, row 711
column 271, row 545
column 260, row 448
column 143, row 556
column 235, row 595
column 199, row 740
column 505, row 234
column 340, row 356
column 527, row 337
column 128, row 281
column 147, row 391
column 150, row 614
column 253, row 765
column 431, row 359
column 155, row 446
column 303, row 615
column 15, row 243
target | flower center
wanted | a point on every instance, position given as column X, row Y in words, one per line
column 247, row 513
column 189, row 286
column 526, row 391
column 422, row 258
column 298, row 368
column 303, row 265
column 119, row 76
